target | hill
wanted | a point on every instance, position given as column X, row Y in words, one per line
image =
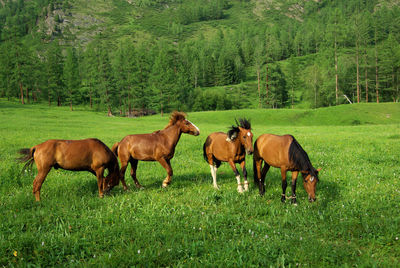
column 199, row 55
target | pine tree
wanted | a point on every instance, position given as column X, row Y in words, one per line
column 106, row 85
column 54, row 70
column 90, row 73
column 71, row 75
column 293, row 79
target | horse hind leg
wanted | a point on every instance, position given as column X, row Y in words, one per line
column 134, row 164
column 263, row 174
column 124, row 165
column 214, row 175
column 39, row 179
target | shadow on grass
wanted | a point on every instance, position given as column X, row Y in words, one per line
column 326, row 192
column 180, row 181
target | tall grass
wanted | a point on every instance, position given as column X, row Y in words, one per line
column 354, row 222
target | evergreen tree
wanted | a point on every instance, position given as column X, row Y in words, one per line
column 54, row 70
column 278, row 87
column 90, row 73
column 71, row 76
column 106, row 83
column 293, row 80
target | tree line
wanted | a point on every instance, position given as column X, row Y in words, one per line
column 340, row 51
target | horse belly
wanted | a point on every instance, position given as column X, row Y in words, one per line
column 140, row 151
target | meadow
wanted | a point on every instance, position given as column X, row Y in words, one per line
column 354, row 222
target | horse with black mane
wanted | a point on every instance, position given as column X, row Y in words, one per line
column 77, row 155
column 157, row 146
column 284, row 152
column 230, row 147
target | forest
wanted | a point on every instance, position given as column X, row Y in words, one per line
column 137, row 57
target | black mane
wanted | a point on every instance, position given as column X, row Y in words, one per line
column 243, row 123
column 234, row 130
column 299, row 157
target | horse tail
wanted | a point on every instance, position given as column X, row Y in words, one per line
column 300, row 158
column 255, row 158
column 205, row 146
column 114, row 149
column 27, row 158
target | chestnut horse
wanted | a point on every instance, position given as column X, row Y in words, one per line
column 77, row 155
column 230, row 147
column 157, row 146
column 284, row 152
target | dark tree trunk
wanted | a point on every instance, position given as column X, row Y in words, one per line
column 21, row 93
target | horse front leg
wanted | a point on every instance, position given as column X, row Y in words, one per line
column 38, row 181
column 246, row 183
column 100, row 181
column 294, row 181
column 167, row 165
column 284, row 184
column 237, row 175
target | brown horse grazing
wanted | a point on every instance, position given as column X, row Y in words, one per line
column 157, row 146
column 284, row 152
column 230, row 147
column 77, row 155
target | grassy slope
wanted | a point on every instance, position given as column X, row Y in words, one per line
column 354, row 220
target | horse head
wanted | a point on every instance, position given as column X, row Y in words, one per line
column 185, row 125
column 112, row 180
column 310, row 180
column 243, row 132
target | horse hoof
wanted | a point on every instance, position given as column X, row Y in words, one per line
column 240, row 189
column 216, row 187
column 246, row 187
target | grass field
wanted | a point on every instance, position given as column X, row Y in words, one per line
column 354, row 222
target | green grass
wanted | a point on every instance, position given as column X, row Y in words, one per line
column 355, row 221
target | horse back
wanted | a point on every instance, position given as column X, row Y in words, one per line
column 274, row 149
column 84, row 154
column 143, row 147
